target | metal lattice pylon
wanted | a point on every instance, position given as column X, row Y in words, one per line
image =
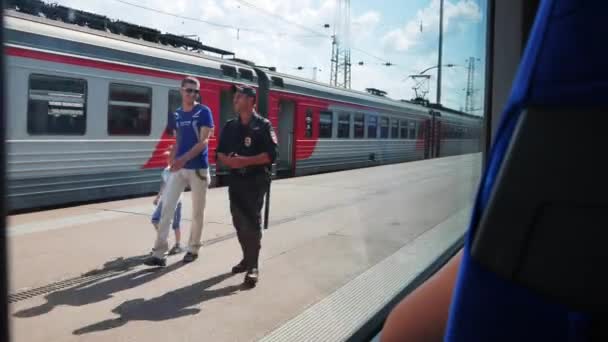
column 469, row 105
column 340, row 75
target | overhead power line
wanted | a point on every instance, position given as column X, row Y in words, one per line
column 305, row 28
column 313, row 33
column 371, row 55
column 211, row 23
column 180, row 16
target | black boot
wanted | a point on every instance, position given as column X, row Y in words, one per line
column 252, row 277
column 239, row 268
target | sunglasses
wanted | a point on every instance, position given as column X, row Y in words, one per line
column 191, row 91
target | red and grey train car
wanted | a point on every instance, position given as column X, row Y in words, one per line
column 87, row 112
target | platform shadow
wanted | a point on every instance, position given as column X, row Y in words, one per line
column 102, row 286
column 171, row 305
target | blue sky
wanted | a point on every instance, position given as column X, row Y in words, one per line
column 389, row 29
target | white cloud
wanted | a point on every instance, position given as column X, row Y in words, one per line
column 287, row 46
column 421, row 30
column 367, row 20
column 364, row 26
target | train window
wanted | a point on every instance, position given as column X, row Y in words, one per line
column 277, row 82
column 228, row 70
column 383, row 128
column 403, row 129
column 372, row 126
column 56, row 105
column 359, row 126
column 326, row 120
column 344, row 125
column 413, row 129
column 129, row 110
column 246, row 74
column 175, row 101
column 394, row 128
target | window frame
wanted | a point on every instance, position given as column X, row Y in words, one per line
column 84, row 106
column 388, row 127
column 367, row 126
column 350, row 121
column 121, row 103
column 403, row 125
column 323, row 113
column 412, row 129
column 392, row 127
column 179, row 96
column 171, row 111
column 246, row 74
column 363, row 131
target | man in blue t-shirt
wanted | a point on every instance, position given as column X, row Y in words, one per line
column 193, row 126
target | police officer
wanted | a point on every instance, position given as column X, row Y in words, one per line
column 248, row 147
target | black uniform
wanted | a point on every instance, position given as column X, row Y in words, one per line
column 247, row 186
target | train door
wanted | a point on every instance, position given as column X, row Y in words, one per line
column 437, row 138
column 226, row 113
column 287, row 109
column 428, row 138
column 433, row 136
column 226, row 108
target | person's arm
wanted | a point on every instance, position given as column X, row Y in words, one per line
column 225, row 160
column 222, row 152
column 195, row 151
column 173, row 150
column 203, row 140
column 423, row 314
column 238, row 162
column 264, row 158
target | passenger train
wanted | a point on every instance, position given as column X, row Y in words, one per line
column 88, row 114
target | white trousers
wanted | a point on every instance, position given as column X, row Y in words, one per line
column 198, row 180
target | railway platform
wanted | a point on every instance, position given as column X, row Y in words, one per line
column 338, row 247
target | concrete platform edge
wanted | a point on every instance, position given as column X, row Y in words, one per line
column 341, row 314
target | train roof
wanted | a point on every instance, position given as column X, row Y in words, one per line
column 295, row 84
column 41, row 33
column 45, row 34
column 449, row 113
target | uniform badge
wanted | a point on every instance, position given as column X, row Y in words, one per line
column 247, row 141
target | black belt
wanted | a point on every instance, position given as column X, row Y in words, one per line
column 249, row 171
